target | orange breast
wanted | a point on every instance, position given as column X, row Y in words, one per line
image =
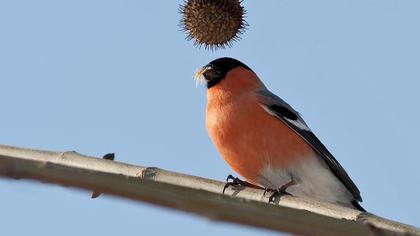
column 248, row 137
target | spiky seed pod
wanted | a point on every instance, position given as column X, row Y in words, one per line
column 213, row 23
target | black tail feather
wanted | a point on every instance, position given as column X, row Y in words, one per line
column 357, row 206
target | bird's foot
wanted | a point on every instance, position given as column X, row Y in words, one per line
column 235, row 182
column 275, row 193
column 278, row 192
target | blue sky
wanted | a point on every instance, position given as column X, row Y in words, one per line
column 117, row 76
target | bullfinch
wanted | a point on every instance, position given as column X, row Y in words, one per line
column 266, row 141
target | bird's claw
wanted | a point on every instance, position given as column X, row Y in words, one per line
column 279, row 191
column 276, row 193
column 235, row 182
column 273, row 196
column 268, row 190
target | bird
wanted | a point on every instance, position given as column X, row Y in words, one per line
column 264, row 140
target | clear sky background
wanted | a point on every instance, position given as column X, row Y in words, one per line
column 117, row 76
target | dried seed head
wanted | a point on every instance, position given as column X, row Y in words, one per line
column 213, row 23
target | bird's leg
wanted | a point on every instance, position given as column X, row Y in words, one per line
column 281, row 190
column 236, row 182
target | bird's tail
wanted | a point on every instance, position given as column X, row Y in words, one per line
column 357, row 206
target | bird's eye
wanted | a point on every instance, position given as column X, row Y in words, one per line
column 211, row 73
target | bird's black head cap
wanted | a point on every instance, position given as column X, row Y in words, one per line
column 216, row 70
